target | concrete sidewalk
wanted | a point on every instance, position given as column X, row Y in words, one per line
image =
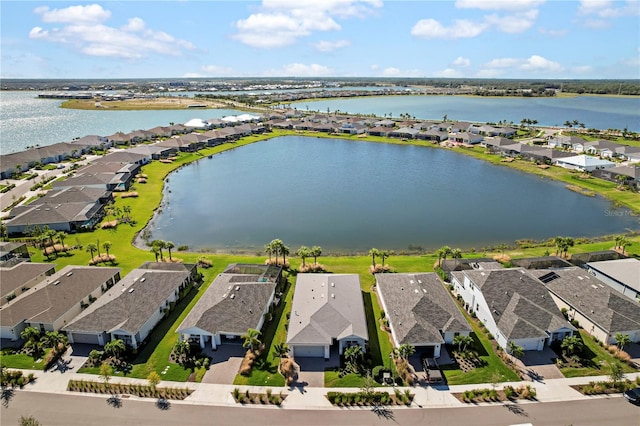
column 298, row 398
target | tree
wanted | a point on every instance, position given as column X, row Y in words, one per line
column 622, row 340
column 571, row 345
column 251, row 340
column 385, row 254
column 315, row 252
column 53, row 339
column 444, row 251
column 406, row 350
column 156, row 251
column 169, row 245
column 623, row 243
column 91, row 248
column 280, row 350
column 568, row 242
column 61, row 236
column 30, row 334
column 154, row 379
column 456, row 253
column 462, row 341
column 160, row 244
column 373, row 253
column 115, row 348
column 559, row 243
column 106, row 371
column 352, row 357
column 269, row 250
column 107, row 246
column 303, row 252
column 276, row 247
column 617, row 372
column 127, row 212
column 285, row 252
column 515, row 350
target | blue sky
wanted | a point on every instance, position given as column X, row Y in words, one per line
column 320, row 38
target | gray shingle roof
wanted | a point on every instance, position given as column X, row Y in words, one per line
column 626, row 271
column 232, row 304
column 130, row 303
column 600, row 303
column 326, row 306
column 47, row 301
column 520, row 305
column 17, row 276
column 419, row 308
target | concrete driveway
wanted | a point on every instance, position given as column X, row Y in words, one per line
column 540, row 365
column 225, row 364
column 311, row 370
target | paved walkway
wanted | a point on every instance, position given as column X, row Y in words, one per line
column 304, row 397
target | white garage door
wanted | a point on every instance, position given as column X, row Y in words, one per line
column 308, row 351
column 91, row 339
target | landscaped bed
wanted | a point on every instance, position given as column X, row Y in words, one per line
column 267, row 397
column 508, row 393
column 143, row 391
column 364, row 398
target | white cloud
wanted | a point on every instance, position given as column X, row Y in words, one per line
column 553, row 33
column 432, row 29
column 461, row 62
column 607, row 9
column 74, row 14
column 283, row 22
column 330, row 46
column 516, row 23
column 131, row 41
column 518, row 20
column 300, row 70
column 498, row 4
column 533, row 64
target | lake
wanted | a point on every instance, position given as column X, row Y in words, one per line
column 599, row 112
column 349, row 196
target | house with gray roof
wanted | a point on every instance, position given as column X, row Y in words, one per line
column 420, row 311
column 232, row 304
column 327, row 312
column 54, row 302
column 600, row 310
column 67, row 217
column 513, row 305
column 129, row 310
column 623, row 275
column 625, row 174
column 17, row 279
column 77, row 194
column 13, row 253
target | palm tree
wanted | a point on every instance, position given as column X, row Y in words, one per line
column 276, row 247
column 92, row 248
column 568, row 242
column 106, row 370
column 155, row 250
column 515, row 350
column 315, row 252
column 107, row 246
column 53, row 339
column 303, row 252
column 160, row 244
column 373, row 253
column 181, row 348
column 127, row 212
column 285, row 251
column 384, row 254
column 623, row 243
column 406, row 350
column 280, row 350
column 559, row 243
column 571, row 345
column 622, row 340
column 115, row 348
column 352, row 356
column 61, row 237
column 462, row 341
column 251, row 339
column 169, row 245
column 30, row 334
column 446, row 250
column 269, row 250
column 456, row 253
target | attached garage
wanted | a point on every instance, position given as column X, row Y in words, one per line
column 308, row 351
column 90, row 339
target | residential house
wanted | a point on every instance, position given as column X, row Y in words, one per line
column 478, row 263
column 404, row 132
column 67, row 217
column 542, row 262
column 129, row 310
column 627, row 175
column 432, row 135
column 77, row 194
column 599, row 309
column 12, row 253
column 420, row 311
column 513, row 306
column 327, row 311
column 93, row 141
column 124, row 156
column 623, row 275
column 584, row 163
column 581, row 259
column 628, row 153
column 53, row 303
column 232, row 304
column 385, row 123
column 601, row 148
column 465, row 138
column 566, row 142
column 18, row 278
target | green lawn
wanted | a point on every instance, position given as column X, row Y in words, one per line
column 21, row 361
column 598, row 360
column 332, row 379
column 485, row 374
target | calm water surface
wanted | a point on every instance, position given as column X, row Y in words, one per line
column 349, row 196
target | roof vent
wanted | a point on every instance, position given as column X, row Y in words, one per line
column 411, row 281
column 333, row 284
column 415, row 290
column 69, row 274
column 143, row 279
column 131, row 290
column 333, row 296
column 56, row 282
column 424, row 290
column 237, row 288
column 233, row 296
column 224, row 295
